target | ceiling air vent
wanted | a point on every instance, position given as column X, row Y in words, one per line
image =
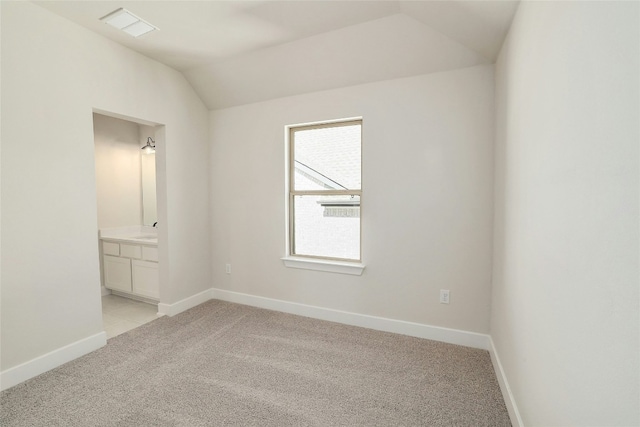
column 126, row 21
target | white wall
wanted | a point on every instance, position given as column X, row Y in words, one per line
column 118, row 172
column 426, row 205
column 54, row 73
column 565, row 316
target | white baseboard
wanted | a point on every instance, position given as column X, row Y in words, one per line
column 104, row 291
column 452, row 336
column 185, row 304
column 509, row 400
column 53, row 359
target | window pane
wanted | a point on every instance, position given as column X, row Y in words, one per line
column 327, row 226
column 327, row 158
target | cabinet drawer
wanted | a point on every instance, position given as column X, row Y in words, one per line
column 130, row 251
column 110, row 248
column 149, row 253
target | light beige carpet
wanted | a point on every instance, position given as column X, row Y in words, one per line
column 223, row 364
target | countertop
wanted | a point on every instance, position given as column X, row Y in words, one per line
column 139, row 234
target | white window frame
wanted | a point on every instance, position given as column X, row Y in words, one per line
column 310, row 262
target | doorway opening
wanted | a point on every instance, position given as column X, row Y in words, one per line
column 127, row 220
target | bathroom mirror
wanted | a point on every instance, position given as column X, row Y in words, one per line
column 148, row 171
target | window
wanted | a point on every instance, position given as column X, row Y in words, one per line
column 325, row 190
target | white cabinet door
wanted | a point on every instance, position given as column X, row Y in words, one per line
column 145, row 279
column 117, row 273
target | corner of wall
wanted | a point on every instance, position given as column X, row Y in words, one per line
column 509, row 399
column 185, row 304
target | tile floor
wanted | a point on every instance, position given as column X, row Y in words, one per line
column 120, row 314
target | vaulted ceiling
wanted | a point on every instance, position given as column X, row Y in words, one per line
column 238, row 52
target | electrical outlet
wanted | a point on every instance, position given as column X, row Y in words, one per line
column 444, row 296
column 227, row 268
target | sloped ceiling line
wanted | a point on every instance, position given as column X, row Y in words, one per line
column 240, row 52
column 391, row 47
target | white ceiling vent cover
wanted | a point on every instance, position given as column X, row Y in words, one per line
column 126, row 21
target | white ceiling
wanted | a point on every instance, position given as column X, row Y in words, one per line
column 237, row 52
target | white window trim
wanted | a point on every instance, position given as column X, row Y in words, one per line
column 342, row 267
column 309, row 263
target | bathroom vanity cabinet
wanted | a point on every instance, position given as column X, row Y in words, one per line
column 131, row 268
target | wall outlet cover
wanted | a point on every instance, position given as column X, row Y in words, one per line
column 444, row 296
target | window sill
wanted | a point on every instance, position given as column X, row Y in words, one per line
column 341, row 267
